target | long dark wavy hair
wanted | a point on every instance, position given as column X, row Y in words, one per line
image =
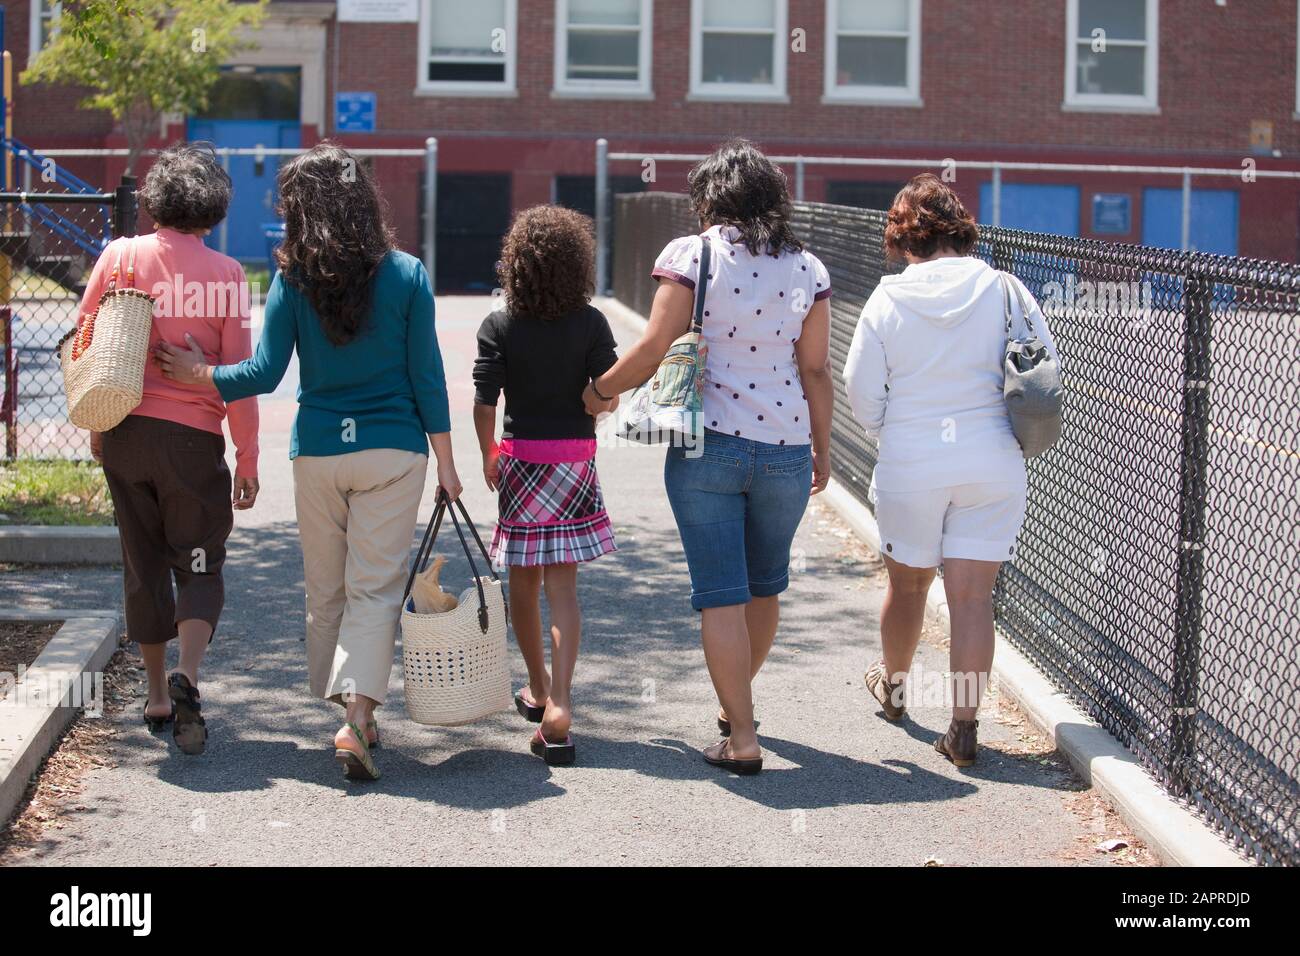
column 738, row 186
column 336, row 233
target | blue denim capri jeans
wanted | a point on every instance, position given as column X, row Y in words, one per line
column 737, row 507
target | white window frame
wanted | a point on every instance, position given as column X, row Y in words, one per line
column 909, row 95
column 639, row 88
column 505, row 87
column 36, row 13
column 1117, row 102
column 774, row 91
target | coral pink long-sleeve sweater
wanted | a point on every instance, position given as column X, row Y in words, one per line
column 199, row 291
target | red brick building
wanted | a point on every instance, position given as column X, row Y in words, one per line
column 517, row 92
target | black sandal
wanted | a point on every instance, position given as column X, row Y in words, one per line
column 555, row 755
column 744, row 767
column 529, row 712
column 190, row 730
column 156, row 724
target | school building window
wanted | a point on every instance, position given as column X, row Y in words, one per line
column 738, row 49
column 1112, row 54
column 45, row 13
column 602, row 47
column 467, row 48
column 873, row 51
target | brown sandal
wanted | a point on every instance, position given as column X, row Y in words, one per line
column 888, row 695
column 959, row 744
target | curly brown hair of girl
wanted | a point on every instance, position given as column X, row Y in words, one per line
column 548, row 262
column 927, row 215
column 336, row 233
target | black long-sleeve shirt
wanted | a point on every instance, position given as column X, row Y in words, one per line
column 543, row 366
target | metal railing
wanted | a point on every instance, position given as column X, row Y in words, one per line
column 996, row 168
column 1157, row 578
column 48, row 246
column 429, row 198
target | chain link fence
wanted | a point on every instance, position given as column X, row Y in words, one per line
column 1157, row 579
column 48, row 245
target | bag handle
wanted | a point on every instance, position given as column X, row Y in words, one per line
column 702, row 285
column 117, row 268
column 1008, row 314
column 422, row 555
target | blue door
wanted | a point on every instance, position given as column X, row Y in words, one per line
column 253, row 203
column 1036, row 207
column 249, row 107
column 1213, row 225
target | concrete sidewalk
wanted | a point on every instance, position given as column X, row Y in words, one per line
column 841, row 786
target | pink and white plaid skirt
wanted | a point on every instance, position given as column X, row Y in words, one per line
column 550, row 507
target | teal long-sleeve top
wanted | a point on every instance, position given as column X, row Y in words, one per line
column 384, row 389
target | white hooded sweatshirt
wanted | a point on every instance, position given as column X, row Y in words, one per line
column 924, row 375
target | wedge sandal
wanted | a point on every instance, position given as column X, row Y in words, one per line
column 357, row 766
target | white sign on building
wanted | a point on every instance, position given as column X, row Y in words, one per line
column 379, row 11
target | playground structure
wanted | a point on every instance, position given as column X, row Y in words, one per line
column 53, row 226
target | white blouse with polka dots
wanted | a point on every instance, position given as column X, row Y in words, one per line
column 754, row 310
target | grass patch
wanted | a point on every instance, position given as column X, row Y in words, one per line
column 33, row 491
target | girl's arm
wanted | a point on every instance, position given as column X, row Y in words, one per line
column 670, row 317
column 813, row 356
column 485, row 426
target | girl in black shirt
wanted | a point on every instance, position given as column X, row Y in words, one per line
column 541, row 350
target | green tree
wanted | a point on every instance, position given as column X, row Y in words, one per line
column 142, row 58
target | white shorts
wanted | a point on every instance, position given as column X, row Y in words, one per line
column 978, row 522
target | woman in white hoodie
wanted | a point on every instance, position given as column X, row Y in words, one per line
column 924, row 377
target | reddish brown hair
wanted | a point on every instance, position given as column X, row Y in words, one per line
column 927, row 216
column 548, row 262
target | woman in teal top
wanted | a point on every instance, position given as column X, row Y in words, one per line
column 372, row 398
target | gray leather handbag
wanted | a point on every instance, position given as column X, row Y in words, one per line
column 1032, row 386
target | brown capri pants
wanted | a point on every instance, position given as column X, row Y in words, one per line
column 171, row 494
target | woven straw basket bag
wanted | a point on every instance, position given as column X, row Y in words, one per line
column 103, row 360
column 454, row 663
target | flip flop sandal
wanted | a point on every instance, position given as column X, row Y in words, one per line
column 530, row 712
column 724, row 726
column 156, row 724
column 357, row 766
column 745, row 767
column 189, row 729
column 555, row 755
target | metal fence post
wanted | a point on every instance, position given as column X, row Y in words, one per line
column 1198, row 293
column 602, row 216
column 997, row 195
column 798, row 178
column 431, row 209
column 1186, row 235
column 224, row 229
column 125, row 208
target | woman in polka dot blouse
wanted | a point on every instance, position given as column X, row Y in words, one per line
column 767, row 415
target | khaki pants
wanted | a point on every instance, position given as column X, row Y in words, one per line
column 356, row 517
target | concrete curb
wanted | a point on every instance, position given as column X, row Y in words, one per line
column 1175, row 834
column 59, row 544
column 36, row 712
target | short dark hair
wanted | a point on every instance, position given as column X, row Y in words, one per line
column 738, row 186
column 927, row 215
column 186, row 188
column 548, row 261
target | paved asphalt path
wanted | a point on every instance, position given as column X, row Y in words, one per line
column 841, row 786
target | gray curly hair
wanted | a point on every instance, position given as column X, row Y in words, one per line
column 186, row 188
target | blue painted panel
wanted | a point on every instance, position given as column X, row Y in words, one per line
column 253, row 203
column 1037, row 207
column 1214, row 219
